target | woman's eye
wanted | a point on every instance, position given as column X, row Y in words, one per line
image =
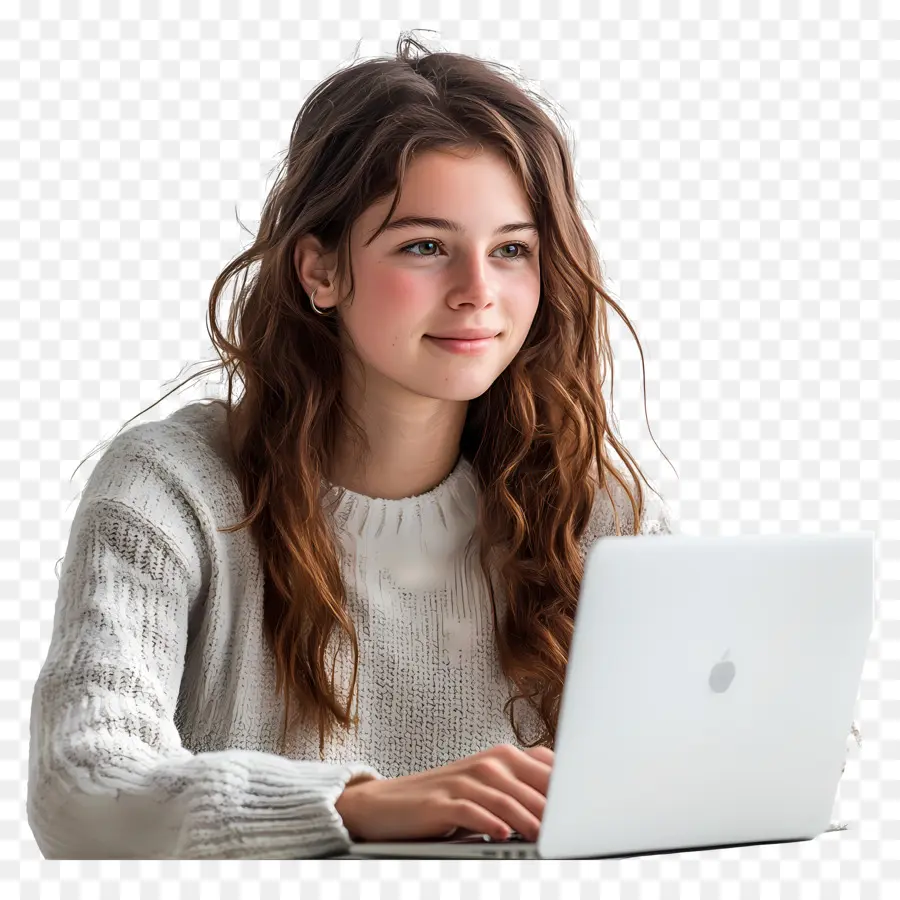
column 523, row 249
column 409, row 249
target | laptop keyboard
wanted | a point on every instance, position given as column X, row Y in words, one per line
column 514, row 837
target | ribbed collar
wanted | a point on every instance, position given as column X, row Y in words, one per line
column 412, row 534
column 374, row 517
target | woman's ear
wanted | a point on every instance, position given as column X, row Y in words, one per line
column 309, row 259
column 304, row 262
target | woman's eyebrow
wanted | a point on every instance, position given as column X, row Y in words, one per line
column 449, row 225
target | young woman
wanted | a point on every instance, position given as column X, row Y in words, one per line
column 340, row 606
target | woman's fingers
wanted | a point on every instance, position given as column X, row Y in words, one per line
column 472, row 817
column 544, row 754
column 533, row 766
column 490, row 792
column 511, row 802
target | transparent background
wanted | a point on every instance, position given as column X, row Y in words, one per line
column 739, row 165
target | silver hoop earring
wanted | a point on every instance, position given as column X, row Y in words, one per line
column 312, row 303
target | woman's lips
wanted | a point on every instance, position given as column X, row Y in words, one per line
column 468, row 347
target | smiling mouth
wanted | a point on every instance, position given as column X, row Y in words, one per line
column 464, row 346
column 462, row 340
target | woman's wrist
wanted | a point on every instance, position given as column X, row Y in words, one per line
column 346, row 804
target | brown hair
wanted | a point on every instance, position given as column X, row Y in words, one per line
column 538, row 439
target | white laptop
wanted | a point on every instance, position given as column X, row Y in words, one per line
column 710, row 691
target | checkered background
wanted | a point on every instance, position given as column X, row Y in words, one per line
column 741, row 177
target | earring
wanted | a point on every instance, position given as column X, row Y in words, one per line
column 312, row 302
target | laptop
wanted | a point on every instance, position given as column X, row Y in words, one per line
column 710, row 690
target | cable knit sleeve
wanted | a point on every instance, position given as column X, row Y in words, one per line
column 108, row 775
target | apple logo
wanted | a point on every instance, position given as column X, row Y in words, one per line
column 722, row 675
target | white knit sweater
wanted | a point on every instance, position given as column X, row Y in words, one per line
column 155, row 718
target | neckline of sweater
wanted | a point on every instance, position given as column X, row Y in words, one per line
column 461, row 471
column 445, row 513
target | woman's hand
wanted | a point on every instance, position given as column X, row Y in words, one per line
column 492, row 792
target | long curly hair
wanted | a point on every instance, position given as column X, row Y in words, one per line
column 539, row 439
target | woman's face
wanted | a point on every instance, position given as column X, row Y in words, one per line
column 421, row 280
